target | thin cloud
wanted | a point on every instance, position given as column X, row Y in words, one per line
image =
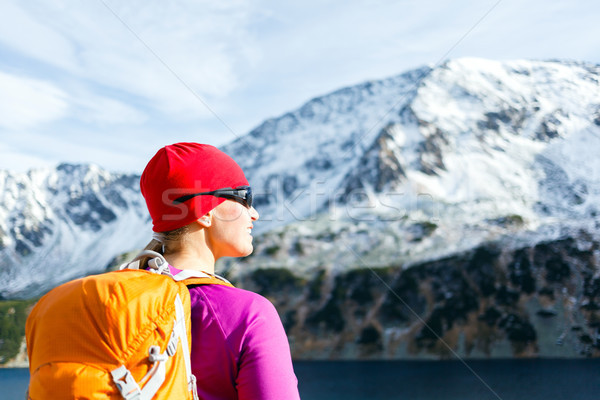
column 99, row 110
column 247, row 59
column 26, row 102
column 25, row 31
column 205, row 44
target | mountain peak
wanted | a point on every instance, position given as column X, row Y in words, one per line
column 60, row 223
column 451, row 148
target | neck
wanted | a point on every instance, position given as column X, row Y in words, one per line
column 193, row 253
column 185, row 260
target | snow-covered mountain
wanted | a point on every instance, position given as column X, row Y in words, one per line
column 409, row 168
column 57, row 224
column 429, row 163
column 504, row 135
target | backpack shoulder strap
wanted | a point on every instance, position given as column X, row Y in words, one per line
column 193, row 277
column 159, row 265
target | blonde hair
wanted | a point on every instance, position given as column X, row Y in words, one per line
column 165, row 242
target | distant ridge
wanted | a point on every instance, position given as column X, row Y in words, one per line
column 408, row 168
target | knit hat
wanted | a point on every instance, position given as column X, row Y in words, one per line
column 186, row 168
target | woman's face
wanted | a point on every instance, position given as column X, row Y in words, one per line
column 230, row 232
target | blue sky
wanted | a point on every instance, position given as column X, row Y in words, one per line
column 110, row 82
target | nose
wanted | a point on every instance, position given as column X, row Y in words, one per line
column 253, row 214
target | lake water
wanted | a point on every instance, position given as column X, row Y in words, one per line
column 421, row 380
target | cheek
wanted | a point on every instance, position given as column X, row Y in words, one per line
column 229, row 212
column 229, row 231
column 231, row 221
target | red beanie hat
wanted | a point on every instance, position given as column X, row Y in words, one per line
column 186, row 168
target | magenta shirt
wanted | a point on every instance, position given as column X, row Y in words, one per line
column 239, row 347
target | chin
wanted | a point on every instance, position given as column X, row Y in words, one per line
column 248, row 252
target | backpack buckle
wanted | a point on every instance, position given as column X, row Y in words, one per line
column 155, row 356
column 129, row 388
column 159, row 266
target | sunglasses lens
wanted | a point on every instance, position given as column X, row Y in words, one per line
column 244, row 195
column 249, row 196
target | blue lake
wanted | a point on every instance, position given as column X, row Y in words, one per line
column 421, row 380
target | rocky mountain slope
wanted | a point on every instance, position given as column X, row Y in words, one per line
column 540, row 300
column 468, row 206
column 468, row 192
column 470, row 152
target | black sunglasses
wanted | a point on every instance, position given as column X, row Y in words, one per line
column 242, row 195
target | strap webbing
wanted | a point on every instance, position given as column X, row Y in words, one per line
column 130, row 389
column 159, row 265
column 191, row 273
column 181, row 331
column 157, row 374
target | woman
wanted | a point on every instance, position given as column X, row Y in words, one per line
column 201, row 208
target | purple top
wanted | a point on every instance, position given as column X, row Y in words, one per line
column 239, row 347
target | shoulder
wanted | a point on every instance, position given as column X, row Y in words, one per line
column 230, row 304
column 232, row 295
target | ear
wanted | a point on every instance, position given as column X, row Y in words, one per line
column 206, row 220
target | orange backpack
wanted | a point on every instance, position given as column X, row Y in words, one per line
column 117, row 335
